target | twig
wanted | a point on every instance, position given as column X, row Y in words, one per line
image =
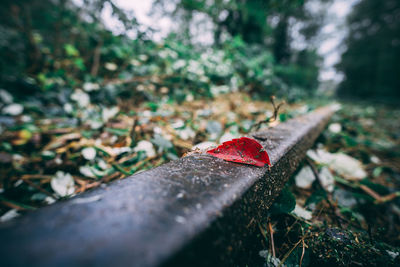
column 87, row 186
column 10, row 205
column 290, row 252
column 302, row 253
column 35, row 176
column 15, row 205
column 32, row 184
column 271, row 233
column 262, row 231
column 250, row 223
column 96, row 58
column 328, row 196
column 110, row 177
column 132, row 133
column 290, row 227
column 390, row 197
column 273, row 117
column 372, row 193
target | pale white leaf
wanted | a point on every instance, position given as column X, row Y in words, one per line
column 204, row 145
column 109, row 113
column 89, row 153
column 305, row 178
column 111, row 66
column 63, row 184
column 326, row 178
column 80, row 97
column 84, row 200
column 13, row 109
column 87, row 171
column 147, row 147
column 335, row 127
column 227, row 136
column 302, row 213
column 9, row 215
column 88, row 87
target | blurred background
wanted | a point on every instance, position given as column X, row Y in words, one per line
column 292, row 48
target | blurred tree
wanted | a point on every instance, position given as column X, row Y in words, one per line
column 267, row 23
column 371, row 62
column 45, row 38
column 260, row 46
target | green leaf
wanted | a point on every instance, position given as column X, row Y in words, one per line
column 153, row 106
column 316, row 197
column 283, row 117
column 79, row 64
column 285, row 203
column 377, row 171
column 71, row 50
column 117, row 131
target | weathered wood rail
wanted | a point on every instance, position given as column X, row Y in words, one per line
column 198, row 210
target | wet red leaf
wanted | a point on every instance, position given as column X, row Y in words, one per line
column 243, row 150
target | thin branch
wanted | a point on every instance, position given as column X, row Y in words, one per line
column 96, row 58
column 328, row 196
column 273, row 117
column 372, row 193
column 32, row 184
column 15, row 205
column 271, row 233
column 290, row 252
column 302, row 253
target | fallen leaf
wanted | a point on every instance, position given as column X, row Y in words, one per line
column 108, row 113
column 304, row 178
column 243, row 150
column 227, row 136
column 204, row 146
column 89, row 153
column 344, row 165
column 111, row 66
column 85, row 200
column 335, row 127
column 82, row 98
column 147, row 147
column 326, row 179
column 13, row 109
column 6, row 97
column 63, row 184
column 302, row 213
column 88, row 87
column 9, row 215
column 23, row 137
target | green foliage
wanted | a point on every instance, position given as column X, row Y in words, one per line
column 251, row 22
column 285, row 203
column 52, row 46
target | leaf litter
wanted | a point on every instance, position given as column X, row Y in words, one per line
column 347, row 196
column 46, row 157
column 49, row 156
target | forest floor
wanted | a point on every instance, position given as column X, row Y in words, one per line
column 342, row 207
column 346, row 195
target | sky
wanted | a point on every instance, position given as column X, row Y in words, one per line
column 331, row 36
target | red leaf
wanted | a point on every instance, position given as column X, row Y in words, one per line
column 243, row 150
